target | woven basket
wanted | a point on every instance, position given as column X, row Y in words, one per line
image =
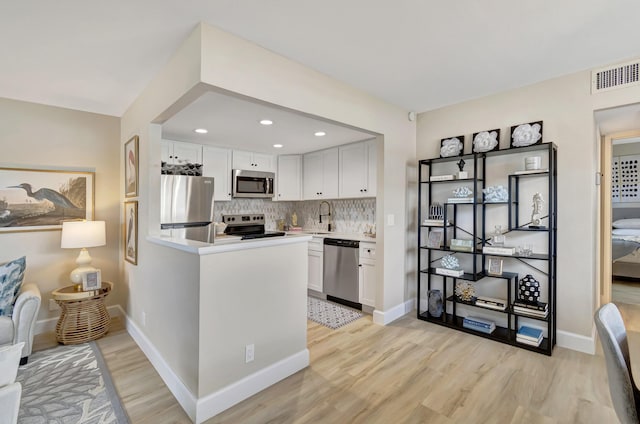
column 82, row 320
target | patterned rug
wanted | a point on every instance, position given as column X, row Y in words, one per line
column 330, row 314
column 68, row 384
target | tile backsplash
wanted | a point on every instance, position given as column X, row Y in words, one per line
column 347, row 215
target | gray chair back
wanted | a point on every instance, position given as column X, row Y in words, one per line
column 613, row 336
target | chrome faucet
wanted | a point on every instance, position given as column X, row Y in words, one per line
column 324, row 214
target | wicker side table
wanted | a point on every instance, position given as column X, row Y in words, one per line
column 84, row 315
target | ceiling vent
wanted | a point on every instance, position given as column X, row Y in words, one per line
column 615, row 76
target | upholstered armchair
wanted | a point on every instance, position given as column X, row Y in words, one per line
column 10, row 390
column 20, row 326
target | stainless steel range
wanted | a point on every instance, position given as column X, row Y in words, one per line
column 248, row 226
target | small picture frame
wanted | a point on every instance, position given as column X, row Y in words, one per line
column 452, row 146
column 435, row 239
column 91, row 280
column 526, row 134
column 486, row 141
column 494, row 266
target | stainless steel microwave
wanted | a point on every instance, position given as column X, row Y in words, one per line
column 252, row 183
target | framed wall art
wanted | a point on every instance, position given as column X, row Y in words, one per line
column 131, row 232
column 453, row 146
column 40, row 199
column 486, row 141
column 526, row 134
column 131, row 167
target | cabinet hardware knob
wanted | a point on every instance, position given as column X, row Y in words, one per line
column 359, row 264
column 365, row 190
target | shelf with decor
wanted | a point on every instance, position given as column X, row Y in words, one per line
column 469, row 220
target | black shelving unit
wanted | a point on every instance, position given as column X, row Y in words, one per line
column 469, row 221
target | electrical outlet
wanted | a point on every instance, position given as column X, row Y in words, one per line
column 249, row 353
column 144, row 319
column 53, row 305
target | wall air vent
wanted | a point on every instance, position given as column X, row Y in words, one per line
column 615, row 76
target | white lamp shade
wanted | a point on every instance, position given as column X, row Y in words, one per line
column 77, row 234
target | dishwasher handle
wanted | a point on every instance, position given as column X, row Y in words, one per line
column 342, row 243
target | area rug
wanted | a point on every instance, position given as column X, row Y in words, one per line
column 330, row 314
column 68, row 384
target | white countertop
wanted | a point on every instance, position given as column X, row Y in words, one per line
column 227, row 243
column 334, row 235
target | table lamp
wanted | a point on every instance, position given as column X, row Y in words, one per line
column 82, row 234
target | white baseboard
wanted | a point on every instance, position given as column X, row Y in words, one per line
column 211, row 405
column 182, row 394
column 390, row 315
column 577, row 342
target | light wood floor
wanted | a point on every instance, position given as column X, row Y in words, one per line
column 407, row 372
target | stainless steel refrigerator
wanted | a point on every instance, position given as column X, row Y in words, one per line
column 186, row 204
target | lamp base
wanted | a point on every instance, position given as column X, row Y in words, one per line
column 84, row 265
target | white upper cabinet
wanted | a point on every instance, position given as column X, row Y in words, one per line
column 180, row 153
column 289, row 178
column 216, row 163
column 320, row 172
column 253, row 161
column 357, row 178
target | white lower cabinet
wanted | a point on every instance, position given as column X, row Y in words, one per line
column 367, row 274
column 315, row 252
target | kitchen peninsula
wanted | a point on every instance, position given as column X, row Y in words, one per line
column 238, row 313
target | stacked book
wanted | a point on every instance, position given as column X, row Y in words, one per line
column 460, row 200
column 532, row 309
column 499, row 250
column 450, row 272
column 441, row 177
column 479, row 324
column 529, row 335
column 491, row 303
column 434, row 222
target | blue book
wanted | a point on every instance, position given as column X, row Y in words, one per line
column 476, row 324
column 478, row 328
column 480, row 321
column 530, row 332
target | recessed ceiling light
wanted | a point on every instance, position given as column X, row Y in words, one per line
column 278, row 146
column 320, row 134
column 201, row 130
column 266, row 122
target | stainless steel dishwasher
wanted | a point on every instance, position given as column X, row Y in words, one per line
column 340, row 271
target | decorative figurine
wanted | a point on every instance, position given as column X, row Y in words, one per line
column 495, row 194
column 435, row 303
column 529, row 289
column 498, row 238
column 462, row 192
column 436, row 211
column 462, row 174
column 465, row 291
column 536, row 220
column 450, row 262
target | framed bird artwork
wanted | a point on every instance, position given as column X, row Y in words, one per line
column 131, row 232
column 40, row 199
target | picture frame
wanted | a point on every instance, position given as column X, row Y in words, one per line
column 494, row 266
column 131, row 167
column 452, row 146
column 92, row 280
column 486, row 141
column 528, row 134
column 130, row 238
column 33, row 199
column 434, row 240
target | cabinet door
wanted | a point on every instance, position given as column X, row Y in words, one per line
column 372, row 167
column 216, row 163
column 243, row 160
column 289, row 177
column 166, row 151
column 263, row 162
column 330, row 171
column 312, row 176
column 187, row 153
column 315, row 271
column 353, row 170
column 367, row 282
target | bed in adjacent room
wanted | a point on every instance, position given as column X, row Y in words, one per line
column 625, row 243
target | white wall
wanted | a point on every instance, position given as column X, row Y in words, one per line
column 567, row 108
column 38, row 136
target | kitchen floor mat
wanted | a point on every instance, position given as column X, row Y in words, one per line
column 330, row 314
